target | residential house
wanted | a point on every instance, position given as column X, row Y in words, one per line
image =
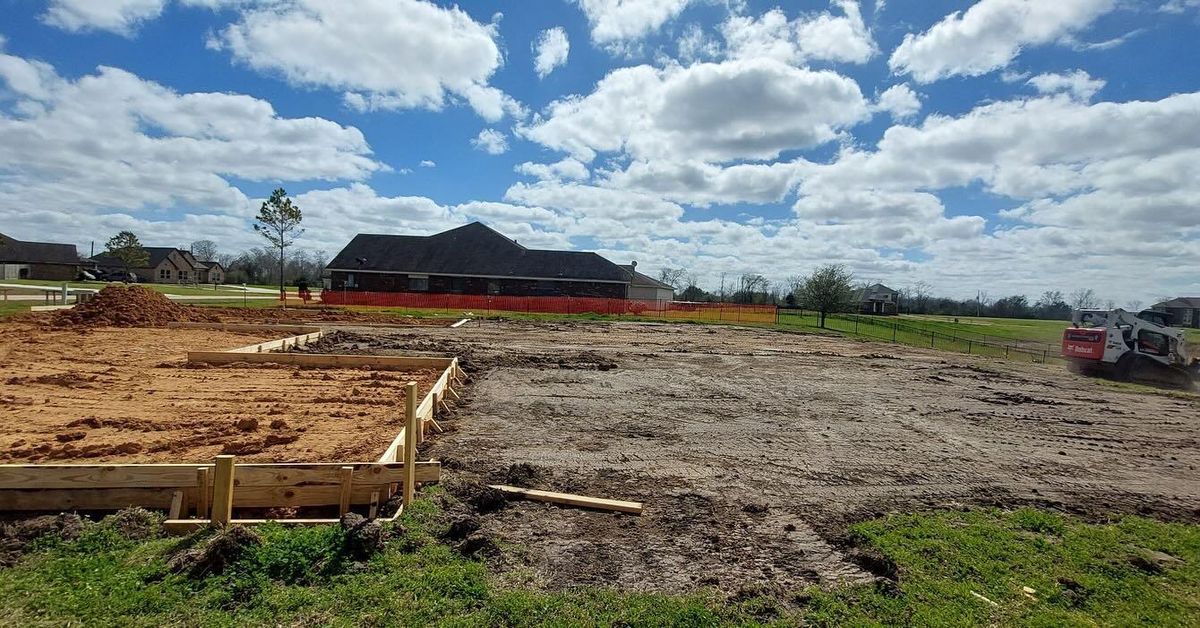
column 472, row 259
column 1183, row 311
column 212, row 272
column 878, row 299
column 165, row 265
column 37, row 260
column 646, row 288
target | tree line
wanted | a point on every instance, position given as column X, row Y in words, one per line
column 833, row 289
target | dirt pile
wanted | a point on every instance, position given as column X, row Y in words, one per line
column 128, row 306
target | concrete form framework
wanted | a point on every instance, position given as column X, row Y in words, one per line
column 197, row 495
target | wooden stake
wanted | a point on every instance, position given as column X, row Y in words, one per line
column 202, row 494
column 374, row 511
column 176, row 505
column 410, row 441
column 347, row 487
column 222, row 508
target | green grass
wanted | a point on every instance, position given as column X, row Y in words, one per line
column 1083, row 574
column 12, row 308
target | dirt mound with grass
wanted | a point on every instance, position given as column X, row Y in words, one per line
column 128, row 306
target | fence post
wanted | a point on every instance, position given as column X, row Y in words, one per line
column 855, row 324
column 1043, row 356
column 1005, row 352
column 222, row 507
column 893, row 332
column 968, row 347
column 931, row 336
column 410, row 441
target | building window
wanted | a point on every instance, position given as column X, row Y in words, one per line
column 164, row 273
column 493, row 287
column 458, row 284
column 418, row 283
column 349, row 283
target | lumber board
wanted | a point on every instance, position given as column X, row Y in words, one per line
column 248, row 327
column 282, row 343
column 410, row 442
column 59, row 500
column 568, row 499
column 394, row 450
column 176, row 505
column 202, row 491
column 180, row 526
column 51, row 476
column 73, row 476
column 378, row 362
column 344, row 497
column 222, row 502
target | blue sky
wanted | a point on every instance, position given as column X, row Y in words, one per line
column 1010, row 146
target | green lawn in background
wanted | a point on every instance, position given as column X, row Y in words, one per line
column 97, row 285
column 1131, row 571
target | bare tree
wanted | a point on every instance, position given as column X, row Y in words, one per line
column 1084, row 299
column 748, row 285
column 921, row 293
column 1134, row 306
column 828, row 289
column 204, row 250
column 673, row 277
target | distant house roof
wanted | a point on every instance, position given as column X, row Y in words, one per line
column 212, row 265
column 876, row 291
column 645, row 281
column 158, row 254
column 1184, row 302
column 15, row 251
column 472, row 250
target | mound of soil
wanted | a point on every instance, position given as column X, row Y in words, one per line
column 128, row 306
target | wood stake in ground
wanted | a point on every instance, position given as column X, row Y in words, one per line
column 568, row 499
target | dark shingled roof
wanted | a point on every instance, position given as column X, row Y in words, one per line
column 472, row 250
column 157, row 255
column 15, row 251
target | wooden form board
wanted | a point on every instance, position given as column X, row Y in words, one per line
column 571, row 500
column 315, row 360
column 283, row 344
column 266, row 485
column 248, row 328
column 426, row 411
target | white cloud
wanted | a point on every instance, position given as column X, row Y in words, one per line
column 1078, row 83
column 744, row 109
column 1179, row 6
column 695, row 45
column 428, row 163
column 491, row 141
column 989, row 35
column 114, row 140
column 900, row 101
column 615, row 21
column 550, row 50
column 110, row 150
column 703, row 184
column 117, row 16
column 568, row 168
column 387, row 66
column 822, row 36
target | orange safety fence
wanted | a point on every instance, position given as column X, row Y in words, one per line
column 486, row 303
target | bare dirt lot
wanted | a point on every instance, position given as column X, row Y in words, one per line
column 752, row 449
column 128, row 395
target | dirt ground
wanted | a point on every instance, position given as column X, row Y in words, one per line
column 128, row 395
column 752, row 449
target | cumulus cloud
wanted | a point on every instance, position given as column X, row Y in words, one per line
column 900, row 101
column 1079, row 84
column 116, row 16
column 108, row 150
column 619, row 20
column 428, row 163
column 989, row 35
column 114, row 140
column 491, row 141
column 388, row 66
column 568, row 168
column 696, row 45
column 744, row 109
column 823, row 36
column 550, row 50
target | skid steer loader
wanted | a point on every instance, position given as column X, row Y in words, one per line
column 1142, row 348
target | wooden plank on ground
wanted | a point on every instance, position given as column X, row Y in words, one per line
column 180, row 526
column 377, row 362
column 248, row 328
column 346, row 488
column 281, row 344
column 571, row 500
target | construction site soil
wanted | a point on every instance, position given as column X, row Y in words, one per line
column 104, row 394
column 753, row 449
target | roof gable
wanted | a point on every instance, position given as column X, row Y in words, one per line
column 18, row 251
column 472, row 250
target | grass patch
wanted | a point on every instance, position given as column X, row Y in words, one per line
column 1132, row 571
column 12, row 308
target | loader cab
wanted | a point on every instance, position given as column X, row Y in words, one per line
column 1161, row 319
